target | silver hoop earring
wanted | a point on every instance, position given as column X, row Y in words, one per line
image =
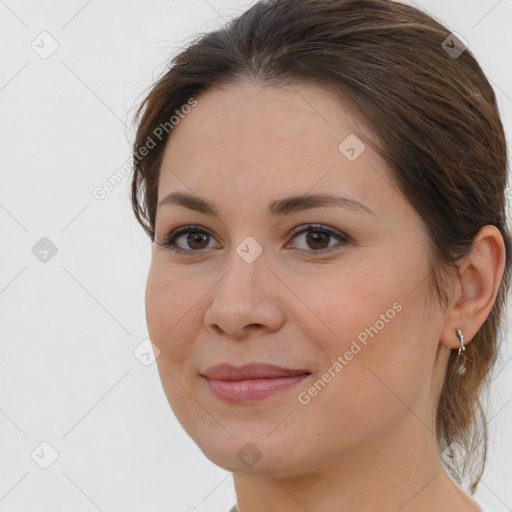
column 461, row 339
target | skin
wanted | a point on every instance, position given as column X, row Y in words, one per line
column 365, row 441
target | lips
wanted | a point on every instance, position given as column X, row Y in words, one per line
column 251, row 382
column 228, row 372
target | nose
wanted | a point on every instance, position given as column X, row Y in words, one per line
column 247, row 298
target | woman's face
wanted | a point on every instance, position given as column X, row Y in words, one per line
column 345, row 300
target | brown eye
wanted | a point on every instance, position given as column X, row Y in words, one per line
column 196, row 240
column 317, row 239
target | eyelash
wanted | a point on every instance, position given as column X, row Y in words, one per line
column 169, row 240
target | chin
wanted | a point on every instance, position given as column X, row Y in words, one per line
column 237, row 453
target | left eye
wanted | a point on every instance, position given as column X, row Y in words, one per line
column 317, row 237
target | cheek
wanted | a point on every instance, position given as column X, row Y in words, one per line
column 373, row 323
column 166, row 314
column 157, row 298
column 374, row 387
column 349, row 305
column 172, row 331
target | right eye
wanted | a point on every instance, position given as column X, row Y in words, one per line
column 194, row 241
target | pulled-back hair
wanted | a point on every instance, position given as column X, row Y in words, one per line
column 429, row 112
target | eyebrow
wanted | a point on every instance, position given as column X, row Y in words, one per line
column 278, row 207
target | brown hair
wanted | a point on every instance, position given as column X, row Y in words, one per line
column 430, row 114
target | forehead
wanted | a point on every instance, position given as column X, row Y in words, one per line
column 250, row 121
column 244, row 142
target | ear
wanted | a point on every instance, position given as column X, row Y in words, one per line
column 479, row 276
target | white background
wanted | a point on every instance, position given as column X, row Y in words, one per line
column 69, row 326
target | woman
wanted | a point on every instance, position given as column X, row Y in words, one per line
column 324, row 186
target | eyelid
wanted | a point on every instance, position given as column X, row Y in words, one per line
column 319, row 227
column 168, row 240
